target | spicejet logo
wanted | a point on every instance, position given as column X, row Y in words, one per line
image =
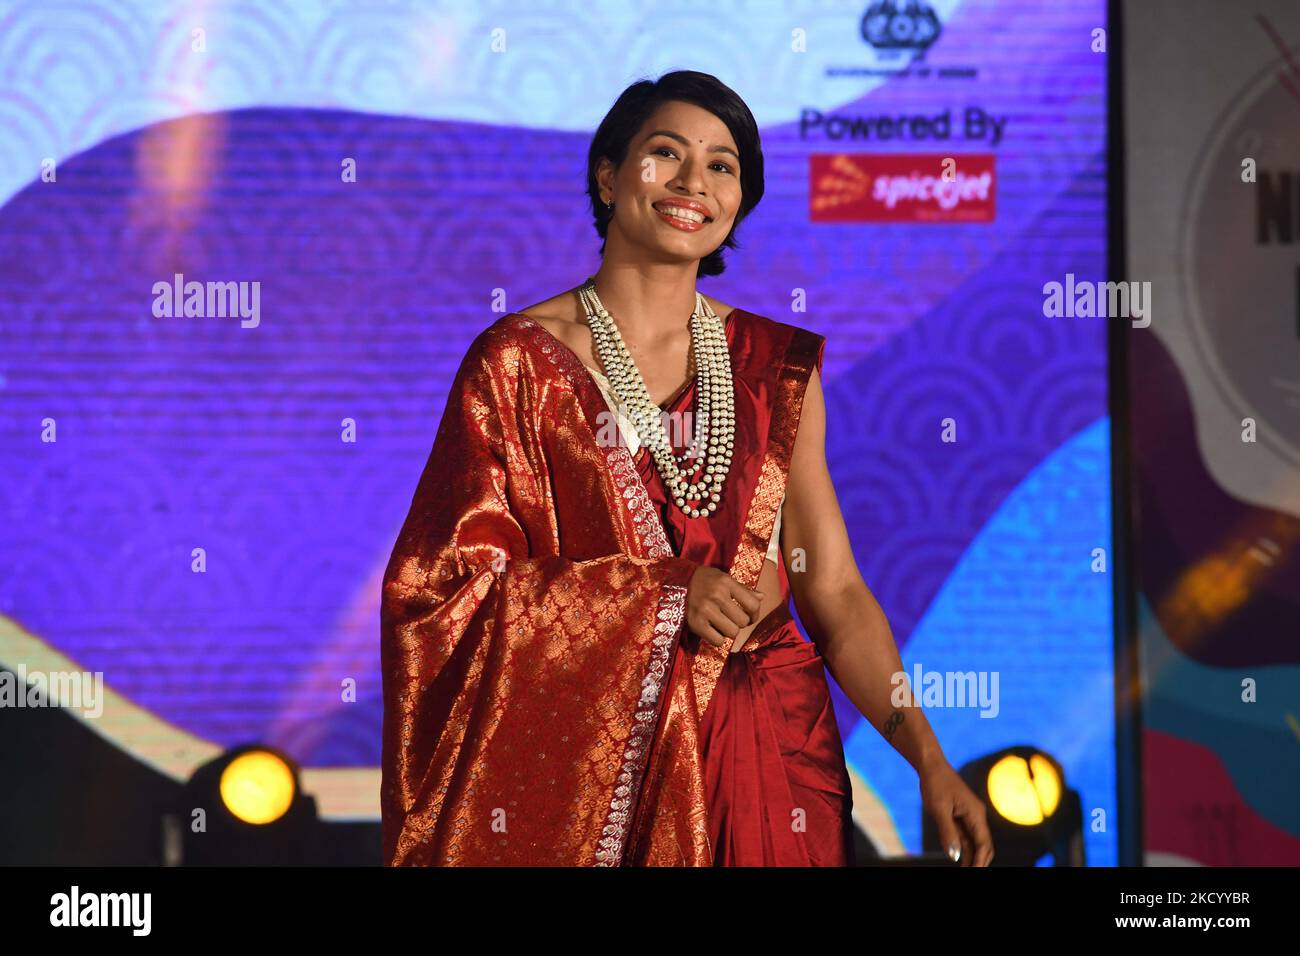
column 903, row 187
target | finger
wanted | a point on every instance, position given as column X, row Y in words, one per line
column 710, row 634
column 949, row 834
column 751, row 601
column 977, row 829
column 724, row 625
column 699, row 625
column 734, row 612
column 976, row 835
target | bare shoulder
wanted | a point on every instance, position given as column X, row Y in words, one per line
column 561, row 315
column 720, row 308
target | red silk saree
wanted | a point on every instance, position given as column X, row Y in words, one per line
column 544, row 703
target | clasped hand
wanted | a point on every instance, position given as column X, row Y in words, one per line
column 718, row 606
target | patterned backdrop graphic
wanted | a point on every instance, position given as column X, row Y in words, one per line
column 176, row 433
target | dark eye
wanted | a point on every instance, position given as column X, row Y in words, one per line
column 658, row 150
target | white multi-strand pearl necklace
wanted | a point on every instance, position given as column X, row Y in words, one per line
column 696, row 490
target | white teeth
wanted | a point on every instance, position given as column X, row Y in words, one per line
column 680, row 213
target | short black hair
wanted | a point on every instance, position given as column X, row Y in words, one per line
column 630, row 112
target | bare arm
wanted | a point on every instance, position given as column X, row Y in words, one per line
column 844, row 619
column 840, row 612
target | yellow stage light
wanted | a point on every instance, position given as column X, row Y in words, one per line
column 1024, row 792
column 257, row 787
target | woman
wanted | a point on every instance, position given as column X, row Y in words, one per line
column 588, row 652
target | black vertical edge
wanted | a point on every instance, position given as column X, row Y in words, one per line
column 1128, row 683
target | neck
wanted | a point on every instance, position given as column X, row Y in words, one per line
column 650, row 299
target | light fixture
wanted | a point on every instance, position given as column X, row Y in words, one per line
column 246, row 808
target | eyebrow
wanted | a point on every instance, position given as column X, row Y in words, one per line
column 686, row 142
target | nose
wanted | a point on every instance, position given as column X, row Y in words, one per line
column 690, row 177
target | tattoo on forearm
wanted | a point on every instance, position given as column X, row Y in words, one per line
column 892, row 724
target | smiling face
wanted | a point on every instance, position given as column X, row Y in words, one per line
column 677, row 191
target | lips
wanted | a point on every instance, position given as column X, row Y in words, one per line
column 697, row 213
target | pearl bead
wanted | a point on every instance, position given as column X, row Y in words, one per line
column 712, row 444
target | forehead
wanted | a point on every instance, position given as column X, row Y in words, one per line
column 691, row 121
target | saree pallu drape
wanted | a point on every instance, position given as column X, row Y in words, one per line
column 543, row 702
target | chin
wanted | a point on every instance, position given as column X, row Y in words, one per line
column 687, row 247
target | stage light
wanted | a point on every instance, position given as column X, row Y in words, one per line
column 1024, row 791
column 245, row 808
column 1032, row 813
column 258, row 787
